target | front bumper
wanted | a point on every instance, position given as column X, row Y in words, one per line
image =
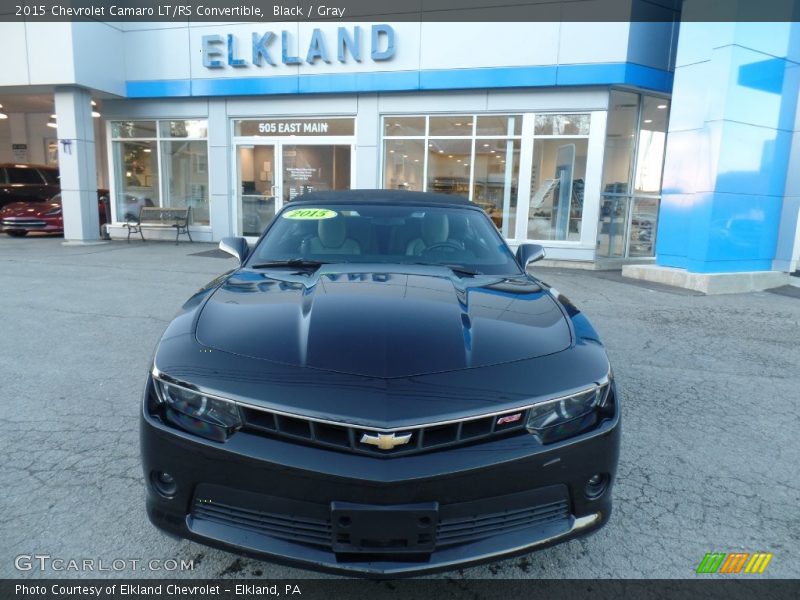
column 31, row 224
column 271, row 499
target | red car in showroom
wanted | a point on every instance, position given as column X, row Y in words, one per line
column 20, row 218
column 27, row 183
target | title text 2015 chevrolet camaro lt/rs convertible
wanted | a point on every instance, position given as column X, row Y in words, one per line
column 379, row 388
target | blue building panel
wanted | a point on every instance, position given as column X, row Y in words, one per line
column 615, row 74
column 752, row 87
column 729, row 146
column 752, row 160
column 358, row 82
column 741, row 227
column 690, row 100
column 164, row 88
column 245, row 86
column 673, row 239
column 535, row 76
column 623, row 74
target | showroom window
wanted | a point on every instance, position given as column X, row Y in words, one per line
column 160, row 163
column 476, row 156
column 636, row 134
column 558, row 175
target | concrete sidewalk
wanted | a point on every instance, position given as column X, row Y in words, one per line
column 709, row 388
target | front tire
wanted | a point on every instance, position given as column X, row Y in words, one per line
column 17, row 233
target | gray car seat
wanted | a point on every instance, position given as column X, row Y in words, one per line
column 435, row 230
column 332, row 238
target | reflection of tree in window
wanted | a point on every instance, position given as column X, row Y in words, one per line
column 177, row 128
column 632, row 169
column 184, row 168
column 137, row 175
column 136, row 159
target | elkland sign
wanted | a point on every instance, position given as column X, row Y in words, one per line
column 262, row 48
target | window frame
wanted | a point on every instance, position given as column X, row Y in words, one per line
column 527, row 138
column 163, row 187
column 473, row 139
column 631, row 196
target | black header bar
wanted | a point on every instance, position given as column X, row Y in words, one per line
column 183, row 11
column 716, row 588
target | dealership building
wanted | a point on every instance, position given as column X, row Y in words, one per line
column 670, row 147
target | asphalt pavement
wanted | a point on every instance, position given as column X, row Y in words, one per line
column 709, row 388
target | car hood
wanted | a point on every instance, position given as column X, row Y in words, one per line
column 378, row 323
column 28, row 209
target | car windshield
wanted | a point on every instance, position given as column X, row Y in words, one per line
column 22, row 175
column 459, row 238
column 50, row 176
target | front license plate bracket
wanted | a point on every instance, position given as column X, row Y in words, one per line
column 376, row 529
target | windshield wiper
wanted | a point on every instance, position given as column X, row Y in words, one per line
column 457, row 269
column 297, row 263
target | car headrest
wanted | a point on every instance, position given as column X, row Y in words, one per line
column 331, row 232
column 435, row 228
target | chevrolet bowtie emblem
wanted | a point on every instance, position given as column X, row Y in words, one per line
column 386, row 441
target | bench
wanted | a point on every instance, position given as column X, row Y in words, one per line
column 154, row 217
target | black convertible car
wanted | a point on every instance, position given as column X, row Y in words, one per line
column 379, row 388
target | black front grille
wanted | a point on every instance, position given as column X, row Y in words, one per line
column 285, row 526
column 544, row 509
column 469, row 529
column 353, row 438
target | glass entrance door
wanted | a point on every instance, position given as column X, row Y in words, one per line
column 270, row 174
column 314, row 168
column 277, row 159
column 257, row 187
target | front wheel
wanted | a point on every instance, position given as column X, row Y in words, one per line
column 17, row 233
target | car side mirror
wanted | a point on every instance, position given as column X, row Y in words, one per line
column 236, row 247
column 529, row 253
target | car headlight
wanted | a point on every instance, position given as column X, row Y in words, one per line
column 56, row 210
column 206, row 416
column 561, row 418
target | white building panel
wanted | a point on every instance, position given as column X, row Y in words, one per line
column 293, row 106
column 15, row 62
column 406, row 56
column 157, row 53
column 488, row 45
column 592, row 43
column 50, row 53
column 99, row 64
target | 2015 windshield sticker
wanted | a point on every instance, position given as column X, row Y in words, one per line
column 310, row 213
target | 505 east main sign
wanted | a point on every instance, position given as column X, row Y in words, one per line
column 262, row 48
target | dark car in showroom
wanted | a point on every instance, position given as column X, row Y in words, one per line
column 21, row 218
column 379, row 388
column 27, row 183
